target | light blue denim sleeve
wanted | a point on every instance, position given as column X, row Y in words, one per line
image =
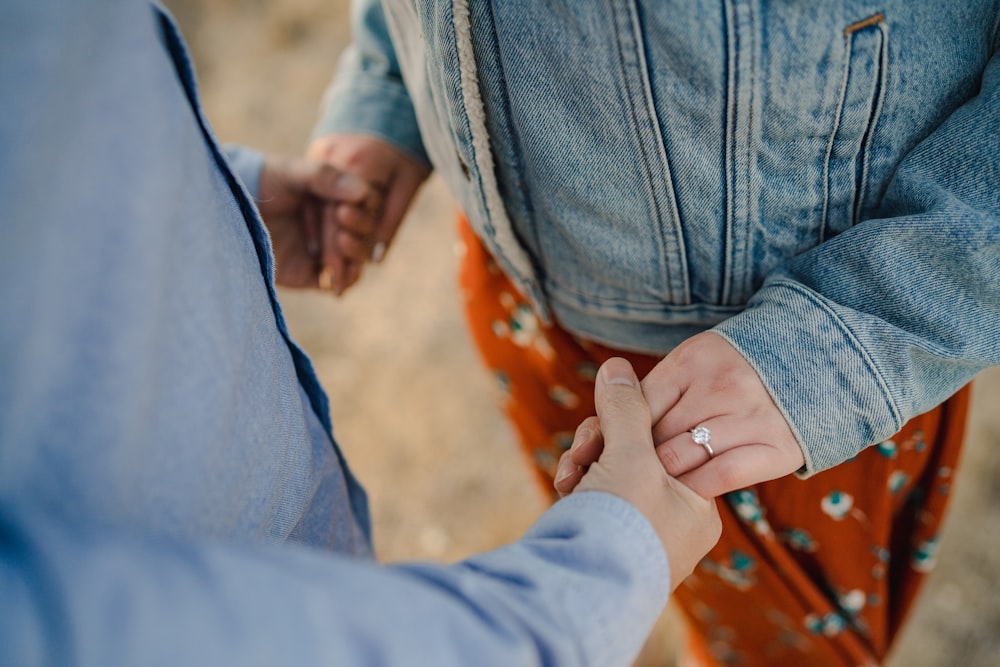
column 583, row 587
column 890, row 318
column 367, row 94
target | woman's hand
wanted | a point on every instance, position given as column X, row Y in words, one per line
column 688, row 524
column 705, row 382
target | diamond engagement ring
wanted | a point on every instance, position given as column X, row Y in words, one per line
column 703, row 437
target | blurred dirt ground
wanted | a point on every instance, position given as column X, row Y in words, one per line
column 411, row 404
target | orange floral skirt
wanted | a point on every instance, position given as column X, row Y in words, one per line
column 818, row 572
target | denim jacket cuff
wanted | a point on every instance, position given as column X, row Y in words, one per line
column 362, row 103
column 817, row 372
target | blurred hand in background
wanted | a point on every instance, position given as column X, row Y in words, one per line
column 347, row 241
column 321, row 221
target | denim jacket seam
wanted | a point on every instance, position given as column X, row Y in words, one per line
column 729, row 150
column 522, row 191
column 567, row 295
column 752, row 94
column 741, row 93
column 838, row 116
column 864, row 164
column 853, row 340
column 504, row 236
column 862, row 159
column 677, row 279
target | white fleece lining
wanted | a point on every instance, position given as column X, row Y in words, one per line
column 509, row 245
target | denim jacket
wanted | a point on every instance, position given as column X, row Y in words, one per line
column 819, row 182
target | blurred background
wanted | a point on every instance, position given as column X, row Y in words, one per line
column 412, row 406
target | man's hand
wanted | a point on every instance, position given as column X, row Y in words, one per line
column 295, row 196
column 626, row 465
column 394, row 174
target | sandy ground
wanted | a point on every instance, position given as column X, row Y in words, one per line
column 411, row 404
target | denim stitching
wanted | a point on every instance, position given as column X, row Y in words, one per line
column 874, row 19
column 732, row 76
column 675, row 290
column 864, row 161
column 515, row 255
column 838, row 113
column 749, row 151
column 736, row 279
column 680, row 288
column 852, row 339
column 524, row 192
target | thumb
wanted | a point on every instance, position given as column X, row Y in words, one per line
column 624, row 414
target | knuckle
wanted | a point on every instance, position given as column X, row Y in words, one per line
column 671, row 461
column 729, row 475
column 351, row 245
column 663, row 429
column 591, row 424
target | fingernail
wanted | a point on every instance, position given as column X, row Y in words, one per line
column 326, row 279
column 351, row 182
column 351, row 186
column 618, row 371
column 565, row 471
column 581, row 436
column 378, row 252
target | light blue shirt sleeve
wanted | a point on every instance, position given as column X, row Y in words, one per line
column 247, row 164
column 582, row 587
column 170, row 493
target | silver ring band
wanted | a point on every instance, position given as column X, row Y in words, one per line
column 703, row 437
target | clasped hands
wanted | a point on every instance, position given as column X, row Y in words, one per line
column 335, row 210
column 332, row 212
column 704, row 382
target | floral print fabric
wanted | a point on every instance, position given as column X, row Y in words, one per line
column 818, row 572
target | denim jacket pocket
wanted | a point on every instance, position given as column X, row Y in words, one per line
column 657, row 179
column 857, row 113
